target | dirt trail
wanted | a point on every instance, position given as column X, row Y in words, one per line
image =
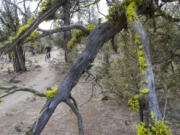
column 19, row 111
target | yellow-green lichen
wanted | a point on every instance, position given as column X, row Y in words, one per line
column 34, row 44
column 1, row 100
column 51, row 93
column 142, row 71
column 140, row 53
column 71, row 111
column 44, row 4
column 77, row 35
column 137, row 36
column 7, row 91
column 146, row 81
column 57, row 26
column 32, row 36
column 144, row 91
column 152, row 116
column 140, row 47
column 142, row 62
column 30, row 20
column 159, row 127
column 134, row 103
column 131, row 15
column 22, row 28
column 138, row 42
column 142, row 130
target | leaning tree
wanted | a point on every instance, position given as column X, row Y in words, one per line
column 122, row 15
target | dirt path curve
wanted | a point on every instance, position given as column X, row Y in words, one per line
column 20, row 110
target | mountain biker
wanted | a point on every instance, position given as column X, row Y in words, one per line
column 48, row 50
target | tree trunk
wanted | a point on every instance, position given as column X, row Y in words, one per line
column 67, row 34
column 151, row 99
column 18, row 59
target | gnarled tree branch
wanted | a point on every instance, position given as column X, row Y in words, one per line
column 13, row 89
column 62, row 29
column 96, row 40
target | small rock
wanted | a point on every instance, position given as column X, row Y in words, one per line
column 105, row 98
column 14, row 81
column 9, row 114
column 19, row 127
column 37, row 66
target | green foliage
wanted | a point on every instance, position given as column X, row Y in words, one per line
column 120, row 73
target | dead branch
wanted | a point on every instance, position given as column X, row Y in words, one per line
column 12, row 89
column 62, row 29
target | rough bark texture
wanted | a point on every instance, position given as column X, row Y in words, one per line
column 67, row 34
column 18, row 59
column 96, row 40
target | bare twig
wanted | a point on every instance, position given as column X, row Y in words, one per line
column 25, row 14
column 99, row 10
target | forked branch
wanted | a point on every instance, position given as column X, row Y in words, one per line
column 78, row 115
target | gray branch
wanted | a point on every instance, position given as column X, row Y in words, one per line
column 78, row 115
column 62, row 29
column 14, row 89
column 97, row 38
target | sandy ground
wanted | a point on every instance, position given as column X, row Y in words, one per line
column 20, row 110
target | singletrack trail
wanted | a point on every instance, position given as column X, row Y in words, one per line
column 19, row 110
